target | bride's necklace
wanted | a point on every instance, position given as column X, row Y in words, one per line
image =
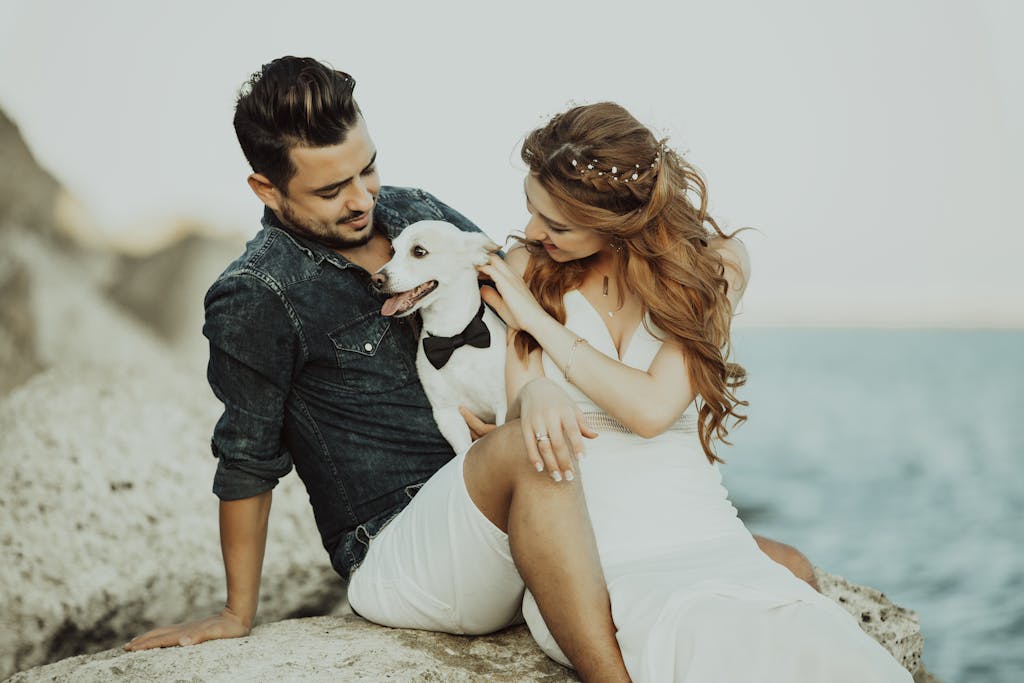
column 604, row 291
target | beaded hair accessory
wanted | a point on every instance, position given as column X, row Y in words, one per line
column 614, row 173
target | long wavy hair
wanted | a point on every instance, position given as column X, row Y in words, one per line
column 608, row 172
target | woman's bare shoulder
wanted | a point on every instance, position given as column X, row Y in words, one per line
column 517, row 257
column 736, row 260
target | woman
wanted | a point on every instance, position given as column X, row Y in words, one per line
column 628, row 295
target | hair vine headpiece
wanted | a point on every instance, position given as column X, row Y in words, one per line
column 614, row 172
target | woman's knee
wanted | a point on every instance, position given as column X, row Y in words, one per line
column 502, row 452
column 491, row 470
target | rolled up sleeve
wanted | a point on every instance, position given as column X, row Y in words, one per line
column 254, row 354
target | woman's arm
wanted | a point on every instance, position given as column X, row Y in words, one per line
column 647, row 402
column 518, row 371
column 542, row 406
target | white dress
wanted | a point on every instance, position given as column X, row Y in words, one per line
column 693, row 597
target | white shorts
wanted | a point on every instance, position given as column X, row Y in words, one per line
column 439, row 565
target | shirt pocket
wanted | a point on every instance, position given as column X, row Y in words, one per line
column 369, row 356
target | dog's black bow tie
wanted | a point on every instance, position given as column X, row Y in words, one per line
column 440, row 349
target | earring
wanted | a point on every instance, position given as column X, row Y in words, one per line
column 617, row 245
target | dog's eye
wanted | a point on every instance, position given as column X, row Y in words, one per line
column 419, row 252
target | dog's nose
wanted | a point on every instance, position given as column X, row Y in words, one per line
column 379, row 279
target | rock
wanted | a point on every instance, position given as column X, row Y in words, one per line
column 64, row 305
column 28, row 193
column 31, row 198
column 322, row 649
column 107, row 522
column 164, row 290
column 18, row 359
column 72, row 321
column 343, row 648
column 895, row 627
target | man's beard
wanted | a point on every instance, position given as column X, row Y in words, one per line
column 324, row 233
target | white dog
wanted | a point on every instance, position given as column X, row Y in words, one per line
column 461, row 354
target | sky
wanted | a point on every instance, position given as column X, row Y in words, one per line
column 874, row 146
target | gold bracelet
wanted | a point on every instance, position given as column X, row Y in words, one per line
column 572, row 352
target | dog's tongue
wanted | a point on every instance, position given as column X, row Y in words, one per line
column 395, row 304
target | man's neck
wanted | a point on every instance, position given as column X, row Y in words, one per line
column 370, row 256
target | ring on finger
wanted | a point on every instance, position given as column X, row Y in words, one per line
column 541, row 436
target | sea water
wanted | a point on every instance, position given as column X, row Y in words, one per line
column 895, row 458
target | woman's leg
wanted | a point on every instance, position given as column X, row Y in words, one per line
column 790, row 558
column 553, row 546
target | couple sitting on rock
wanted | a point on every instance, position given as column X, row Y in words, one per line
column 629, row 562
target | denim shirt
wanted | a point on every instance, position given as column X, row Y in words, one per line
column 311, row 375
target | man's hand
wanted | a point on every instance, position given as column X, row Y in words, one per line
column 243, row 538
column 223, row 625
column 477, row 427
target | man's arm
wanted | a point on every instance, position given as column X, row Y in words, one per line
column 243, row 540
column 253, row 357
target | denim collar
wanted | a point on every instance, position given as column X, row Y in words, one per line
column 383, row 217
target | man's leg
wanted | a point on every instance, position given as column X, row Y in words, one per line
column 790, row 558
column 553, row 546
column 439, row 565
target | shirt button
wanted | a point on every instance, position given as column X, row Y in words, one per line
column 368, row 346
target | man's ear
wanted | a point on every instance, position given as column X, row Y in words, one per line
column 265, row 190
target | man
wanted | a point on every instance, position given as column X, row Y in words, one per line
column 312, row 375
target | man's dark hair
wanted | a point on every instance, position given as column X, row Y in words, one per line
column 290, row 102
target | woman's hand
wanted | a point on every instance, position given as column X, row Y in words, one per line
column 513, row 299
column 553, row 428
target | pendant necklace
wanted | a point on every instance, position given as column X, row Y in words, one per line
column 604, row 291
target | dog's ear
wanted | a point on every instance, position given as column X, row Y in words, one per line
column 480, row 246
